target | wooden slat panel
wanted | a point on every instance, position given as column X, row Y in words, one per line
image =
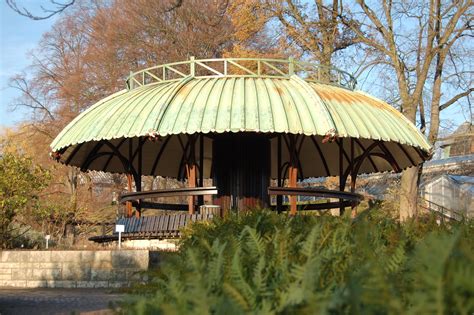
column 146, row 224
column 125, row 222
column 157, row 226
column 136, row 224
column 178, row 224
column 154, row 226
column 172, row 226
column 149, row 224
column 141, row 223
column 128, row 227
column 166, row 224
column 175, row 225
column 161, row 224
column 133, row 224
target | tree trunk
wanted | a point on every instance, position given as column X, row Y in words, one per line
column 72, row 178
column 409, row 193
column 409, row 182
column 325, row 61
column 436, row 96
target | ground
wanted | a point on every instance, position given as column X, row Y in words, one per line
column 56, row 301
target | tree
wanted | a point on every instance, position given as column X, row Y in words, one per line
column 87, row 55
column 20, row 183
column 415, row 41
column 299, row 28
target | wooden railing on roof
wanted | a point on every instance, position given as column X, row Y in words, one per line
column 241, row 67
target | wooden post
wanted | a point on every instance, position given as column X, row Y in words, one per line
column 353, row 180
column 129, row 203
column 138, row 180
column 341, row 172
column 293, row 174
column 201, row 167
column 191, row 173
column 279, row 199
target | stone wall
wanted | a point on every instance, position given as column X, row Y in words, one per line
column 72, row 269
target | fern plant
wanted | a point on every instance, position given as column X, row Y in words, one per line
column 263, row 263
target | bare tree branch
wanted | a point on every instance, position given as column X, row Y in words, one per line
column 455, row 99
column 22, row 85
column 58, row 8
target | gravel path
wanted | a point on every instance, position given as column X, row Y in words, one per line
column 56, row 301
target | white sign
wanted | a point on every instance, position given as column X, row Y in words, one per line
column 120, row 228
column 47, row 237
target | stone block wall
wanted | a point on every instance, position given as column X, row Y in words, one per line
column 72, row 269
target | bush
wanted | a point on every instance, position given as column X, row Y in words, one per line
column 20, row 182
column 264, row 263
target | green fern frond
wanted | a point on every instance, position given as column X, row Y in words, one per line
column 215, row 267
column 236, row 296
column 239, row 282
column 397, row 260
column 255, row 243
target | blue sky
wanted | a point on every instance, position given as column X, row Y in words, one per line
column 18, row 35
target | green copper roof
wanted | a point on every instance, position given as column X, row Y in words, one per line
column 277, row 103
column 240, row 104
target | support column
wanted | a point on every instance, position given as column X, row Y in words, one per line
column 353, row 179
column 342, row 182
column 279, row 199
column 191, row 173
column 128, row 204
column 130, row 175
column 201, row 167
column 293, row 175
column 138, row 180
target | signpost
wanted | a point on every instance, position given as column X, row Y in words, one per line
column 120, row 228
column 47, row 237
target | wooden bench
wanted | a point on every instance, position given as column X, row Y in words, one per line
column 138, row 198
column 346, row 199
column 153, row 227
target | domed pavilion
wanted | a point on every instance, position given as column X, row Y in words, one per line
column 256, row 127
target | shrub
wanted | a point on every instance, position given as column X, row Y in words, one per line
column 264, row 263
column 20, row 182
